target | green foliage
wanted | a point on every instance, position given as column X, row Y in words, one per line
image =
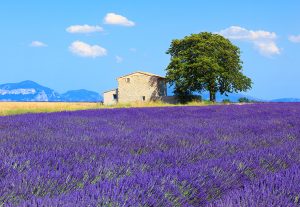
column 186, row 97
column 244, row 100
column 205, row 62
column 226, row 101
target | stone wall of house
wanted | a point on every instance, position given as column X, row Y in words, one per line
column 109, row 97
column 140, row 87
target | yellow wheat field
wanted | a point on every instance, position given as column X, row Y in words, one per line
column 12, row 108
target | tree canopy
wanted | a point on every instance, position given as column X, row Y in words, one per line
column 205, row 62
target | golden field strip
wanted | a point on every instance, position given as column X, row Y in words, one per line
column 13, row 108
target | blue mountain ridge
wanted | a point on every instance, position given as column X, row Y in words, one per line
column 286, row 100
column 31, row 91
column 81, row 95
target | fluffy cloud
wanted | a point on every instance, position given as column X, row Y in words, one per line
column 267, row 48
column 37, row 44
column 85, row 50
column 264, row 41
column 294, row 38
column 239, row 33
column 84, row 29
column 116, row 19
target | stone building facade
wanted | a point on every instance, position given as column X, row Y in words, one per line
column 137, row 86
column 110, row 97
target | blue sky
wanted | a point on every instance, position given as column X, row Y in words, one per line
column 76, row 44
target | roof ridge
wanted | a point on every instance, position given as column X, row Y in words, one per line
column 111, row 90
column 146, row 73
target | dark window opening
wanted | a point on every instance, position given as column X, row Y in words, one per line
column 127, row 80
column 144, row 98
column 115, row 96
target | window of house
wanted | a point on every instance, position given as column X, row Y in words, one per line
column 144, row 98
column 127, row 80
column 115, row 96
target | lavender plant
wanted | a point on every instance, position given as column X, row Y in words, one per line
column 231, row 155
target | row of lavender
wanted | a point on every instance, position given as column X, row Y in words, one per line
column 179, row 156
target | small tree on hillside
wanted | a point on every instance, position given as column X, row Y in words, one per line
column 205, row 62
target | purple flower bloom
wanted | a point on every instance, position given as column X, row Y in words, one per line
column 229, row 155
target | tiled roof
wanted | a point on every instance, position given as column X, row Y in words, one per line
column 110, row 90
column 146, row 73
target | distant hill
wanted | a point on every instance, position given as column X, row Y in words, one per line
column 32, row 91
column 27, row 91
column 81, row 96
column 286, row 100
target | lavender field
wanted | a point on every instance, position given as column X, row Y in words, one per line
column 231, row 155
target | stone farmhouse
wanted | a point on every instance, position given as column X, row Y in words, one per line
column 138, row 87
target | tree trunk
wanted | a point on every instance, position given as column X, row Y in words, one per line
column 212, row 96
column 212, row 90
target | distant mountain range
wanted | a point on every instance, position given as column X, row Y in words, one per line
column 81, row 95
column 234, row 97
column 31, row 91
column 286, row 100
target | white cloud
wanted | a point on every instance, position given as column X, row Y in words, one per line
column 294, row 38
column 267, row 48
column 264, row 41
column 84, row 29
column 116, row 19
column 119, row 59
column 85, row 50
column 37, row 44
column 239, row 33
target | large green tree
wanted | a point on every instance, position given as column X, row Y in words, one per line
column 205, row 62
